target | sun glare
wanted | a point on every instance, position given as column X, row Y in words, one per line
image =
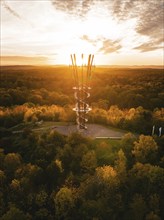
column 55, row 34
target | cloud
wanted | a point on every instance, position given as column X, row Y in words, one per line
column 148, row 14
column 9, row 9
column 123, row 9
column 150, row 19
column 73, row 7
column 110, row 46
column 89, row 40
column 149, row 46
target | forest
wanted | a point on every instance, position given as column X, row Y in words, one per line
column 46, row 175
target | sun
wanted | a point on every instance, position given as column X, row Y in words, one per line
column 97, row 29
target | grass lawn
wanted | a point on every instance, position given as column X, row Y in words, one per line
column 43, row 125
column 106, row 151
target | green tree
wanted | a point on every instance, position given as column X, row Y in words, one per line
column 35, row 98
column 89, row 162
column 2, row 204
column 2, row 178
column 154, row 203
column 152, row 216
column 127, row 144
column 56, row 138
column 43, row 214
column 2, row 156
column 6, row 100
column 41, row 198
column 15, row 214
column 54, row 173
column 138, row 207
column 146, row 178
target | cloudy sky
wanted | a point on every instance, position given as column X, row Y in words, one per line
column 117, row 32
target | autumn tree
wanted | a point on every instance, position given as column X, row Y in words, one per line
column 64, row 203
column 145, row 150
column 120, row 166
column 11, row 162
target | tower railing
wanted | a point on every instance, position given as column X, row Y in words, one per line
column 82, row 76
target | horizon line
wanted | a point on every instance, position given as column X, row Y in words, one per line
column 100, row 65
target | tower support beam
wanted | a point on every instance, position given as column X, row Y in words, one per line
column 82, row 75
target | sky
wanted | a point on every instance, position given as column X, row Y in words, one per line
column 117, row 32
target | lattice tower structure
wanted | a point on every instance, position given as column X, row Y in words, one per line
column 82, row 76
